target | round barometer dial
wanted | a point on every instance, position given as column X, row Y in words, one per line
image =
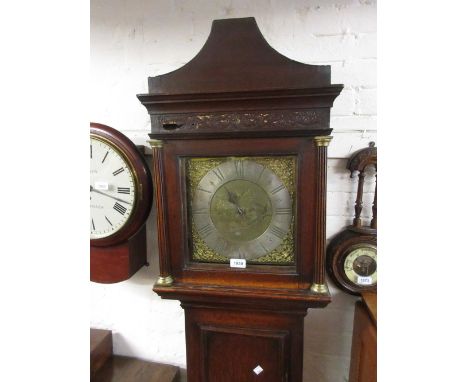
column 112, row 189
column 360, row 265
column 241, row 209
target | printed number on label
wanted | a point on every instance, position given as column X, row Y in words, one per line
column 364, row 280
column 238, row 263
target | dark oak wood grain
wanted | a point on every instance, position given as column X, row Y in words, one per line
column 227, row 344
column 363, row 366
column 239, row 97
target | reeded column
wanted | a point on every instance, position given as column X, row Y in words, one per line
column 318, row 277
column 165, row 278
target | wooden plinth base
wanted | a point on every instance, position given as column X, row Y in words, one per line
column 243, row 334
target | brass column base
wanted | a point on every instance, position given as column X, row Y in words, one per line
column 319, row 288
column 164, row 281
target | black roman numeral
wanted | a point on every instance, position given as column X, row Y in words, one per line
column 277, row 189
column 117, row 172
column 92, row 222
column 108, row 220
column 123, row 190
column 239, row 168
column 218, row 173
column 278, row 232
column 265, row 249
column 202, row 189
column 119, row 208
column 283, row 211
column 206, row 230
column 261, row 173
column 105, row 156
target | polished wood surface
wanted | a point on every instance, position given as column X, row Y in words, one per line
column 236, row 57
column 127, row 369
column 107, row 367
column 363, row 366
column 118, row 262
column 226, row 343
column 370, row 300
column 161, row 208
column 101, row 349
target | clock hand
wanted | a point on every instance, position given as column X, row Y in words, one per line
column 233, row 198
column 110, row 196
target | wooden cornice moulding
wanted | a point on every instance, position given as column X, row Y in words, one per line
column 248, row 87
column 220, row 65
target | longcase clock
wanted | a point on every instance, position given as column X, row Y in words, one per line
column 239, row 137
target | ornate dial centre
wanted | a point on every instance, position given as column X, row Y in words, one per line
column 241, row 210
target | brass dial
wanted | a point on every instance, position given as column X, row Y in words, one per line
column 241, row 209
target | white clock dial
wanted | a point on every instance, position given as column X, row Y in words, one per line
column 112, row 189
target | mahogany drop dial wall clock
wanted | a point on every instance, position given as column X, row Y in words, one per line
column 120, row 201
column 239, row 138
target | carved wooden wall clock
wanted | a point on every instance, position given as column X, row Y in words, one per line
column 352, row 254
column 121, row 195
column 239, row 137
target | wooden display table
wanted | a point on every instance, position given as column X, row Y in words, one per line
column 364, row 348
column 107, row 367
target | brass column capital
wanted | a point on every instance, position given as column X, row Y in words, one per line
column 323, row 141
column 156, row 143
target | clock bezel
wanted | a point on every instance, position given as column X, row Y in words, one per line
column 338, row 249
column 142, row 180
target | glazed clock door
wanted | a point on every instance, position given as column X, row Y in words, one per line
column 241, row 209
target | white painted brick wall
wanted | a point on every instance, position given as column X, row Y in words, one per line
column 131, row 40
